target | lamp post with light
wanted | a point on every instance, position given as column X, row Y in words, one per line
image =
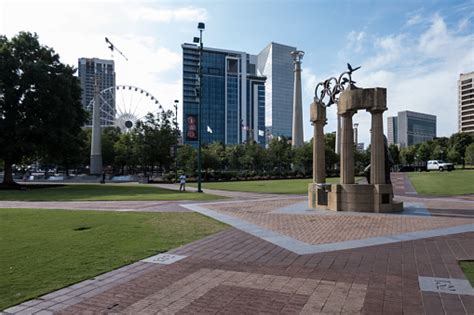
column 177, row 135
column 198, row 40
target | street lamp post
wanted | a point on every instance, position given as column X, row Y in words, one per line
column 201, row 28
column 177, row 135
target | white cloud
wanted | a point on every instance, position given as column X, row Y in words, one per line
column 77, row 29
column 356, row 41
column 186, row 14
column 419, row 69
column 414, row 19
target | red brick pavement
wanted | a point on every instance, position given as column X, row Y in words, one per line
column 389, row 274
column 234, row 272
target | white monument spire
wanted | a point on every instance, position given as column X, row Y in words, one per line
column 297, row 139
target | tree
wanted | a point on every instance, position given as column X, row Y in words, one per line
column 110, row 136
column 187, row 157
column 423, row 152
column 303, row 158
column 156, row 137
column 407, row 155
column 279, row 154
column 40, row 109
column 469, row 156
column 125, row 152
column 458, row 143
column 395, row 153
column 234, row 155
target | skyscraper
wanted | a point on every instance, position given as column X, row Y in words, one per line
column 392, row 130
column 276, row 63
column 409, row 128
column 100, row 69
column 233, row 97
column 466, row 102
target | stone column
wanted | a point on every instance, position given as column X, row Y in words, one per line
column 318, row 119
column 377, row 154
column 96, row 141
column 347, row 148
column 297, row 139
column 337, row 149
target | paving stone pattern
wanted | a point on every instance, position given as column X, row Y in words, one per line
column 251, row 272
column 314, row 228
column 233, row 272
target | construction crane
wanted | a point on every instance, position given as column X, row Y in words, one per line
column 113, row 48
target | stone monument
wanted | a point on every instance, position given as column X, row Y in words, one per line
column 347, row 195
column 96, row 141
column 297, row 139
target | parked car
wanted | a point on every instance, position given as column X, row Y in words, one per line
column 439, row 165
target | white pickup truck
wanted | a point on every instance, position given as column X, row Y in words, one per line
column 438, row 165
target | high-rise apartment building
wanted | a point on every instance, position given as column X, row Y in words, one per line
column 276, row 63
column 232, row 97
column 91, row 69
column 466, row 102
column 392, row 130
column 409, row 128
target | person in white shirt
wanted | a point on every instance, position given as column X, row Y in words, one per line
column 182, row 182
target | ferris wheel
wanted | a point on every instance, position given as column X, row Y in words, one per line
column 123, row 105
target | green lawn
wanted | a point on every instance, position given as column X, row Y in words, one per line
column 468, row 268
column 278, row 186
column 457, row 182
column 97, row 192
column 44, row 250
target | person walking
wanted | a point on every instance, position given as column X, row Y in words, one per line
column 182, row 183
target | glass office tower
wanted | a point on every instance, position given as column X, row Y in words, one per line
column 409, row 128
column 233, row 97
column 276, row 63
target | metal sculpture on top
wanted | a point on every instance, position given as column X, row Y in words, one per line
column 326, row 92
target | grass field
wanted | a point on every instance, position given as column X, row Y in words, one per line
column 468, row 268
column 457, row 182
column 97, row 192
column 44, row 250
column 278, row 186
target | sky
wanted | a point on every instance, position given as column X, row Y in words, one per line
column 415, row 49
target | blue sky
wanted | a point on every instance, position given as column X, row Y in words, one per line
column 416, row 49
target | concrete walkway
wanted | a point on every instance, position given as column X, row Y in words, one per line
column 279, row 257
column 225, row 193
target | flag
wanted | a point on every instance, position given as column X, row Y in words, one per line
column 261, row 133
column 209, row 130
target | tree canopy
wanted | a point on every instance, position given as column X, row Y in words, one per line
column 40, row 109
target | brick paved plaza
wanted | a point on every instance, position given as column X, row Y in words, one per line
column 279, row 257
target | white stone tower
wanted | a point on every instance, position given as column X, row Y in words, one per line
column 96, row 141
column 297, row 132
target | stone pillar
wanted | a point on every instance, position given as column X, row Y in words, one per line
column 318, row 119
column 297, row 139
column 377, row 154
column 337, row 149
column 347, row 148
column 356, row 135
column 96, row 141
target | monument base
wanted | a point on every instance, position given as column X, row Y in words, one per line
column 96, row 165
column 353, row 197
